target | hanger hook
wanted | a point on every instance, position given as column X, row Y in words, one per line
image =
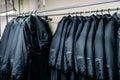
column 22, row 14
column 117, row 10
column 35, row 12
column 96, row 12
column 19, row 14
column 73, row 13
column 28, row 13
column 76, row 13
column 80, row 13
column 31, row 12
column 69, row 14
column 109, row 11
column 25, row 13
column 102, row 11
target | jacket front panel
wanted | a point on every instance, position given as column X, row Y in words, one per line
column 80, row 47
column 69, row 42
column 54, row 48
column 61, row 49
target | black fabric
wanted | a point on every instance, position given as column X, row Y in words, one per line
column 65, row 68
column 118, row 42
column 69, row 43
column 88, row 48
column 61, row 48
column 56, row 42
column 80, row 47
column 7, row 61
column 80, row 27
column 24, row 49
column 100, row 62
column 118, row 52
column 4, row 40
column 39, row 54
column 111, row 49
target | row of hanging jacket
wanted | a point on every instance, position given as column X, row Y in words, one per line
column 24, row 49
column 82, row 48
column 86, row 48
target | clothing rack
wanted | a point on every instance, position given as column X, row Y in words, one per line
column 82, row 12
column 71, row 7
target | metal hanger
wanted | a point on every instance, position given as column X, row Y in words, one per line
column 102, row 11
column 109, row 11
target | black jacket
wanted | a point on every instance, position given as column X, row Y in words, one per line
column 55, row 44
column 99, row 47
column 118, row 40
column 69, row 42
column 78, row 32
column 4, row 39
column 27, row 49
column 111, row 49
column 89, row 48
column 117, row 44
column 61, row 56
column 80, row 47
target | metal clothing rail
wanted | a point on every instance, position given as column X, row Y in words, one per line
column 75, row 13
column 84, row 12
column 69, row 7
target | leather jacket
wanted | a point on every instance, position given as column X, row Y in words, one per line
column 80, row 47
column 89, row 48
column 27, row 49
column 55, row 44
column 99, row 48
column 79, row 30
column 69, row 42
column 61, row 56
column 4, row 39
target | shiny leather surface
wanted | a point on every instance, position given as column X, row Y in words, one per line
column 91, row 49
column 24, row 49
